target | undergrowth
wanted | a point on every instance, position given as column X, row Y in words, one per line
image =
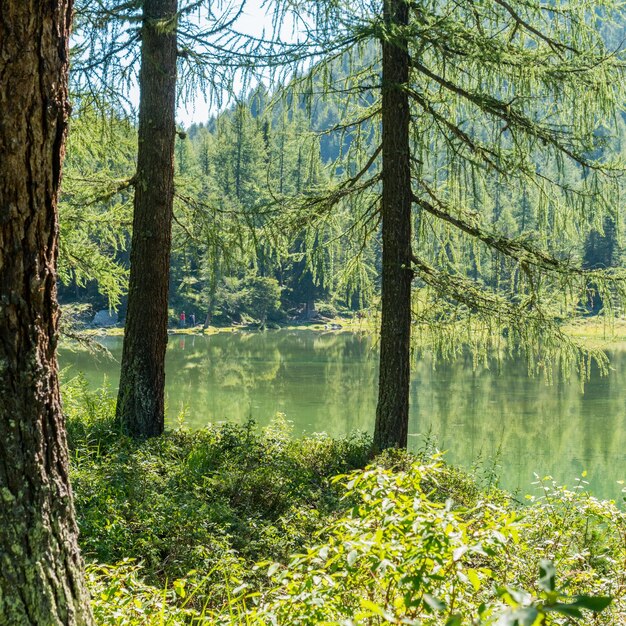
column 239, row 525
column 223, row 496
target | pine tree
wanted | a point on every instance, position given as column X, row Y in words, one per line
column 200, row 39
column 141, row 395
column 601, row 251
column 95, row 205
column 392, row 410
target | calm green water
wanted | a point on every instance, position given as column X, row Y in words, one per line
column 327, row 382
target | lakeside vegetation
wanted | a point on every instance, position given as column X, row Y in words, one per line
column 449, row 176
column 240, row 525
column 596, row 332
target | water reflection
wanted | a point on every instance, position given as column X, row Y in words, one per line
column 327, row 382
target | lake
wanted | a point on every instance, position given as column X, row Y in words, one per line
column 327, row 382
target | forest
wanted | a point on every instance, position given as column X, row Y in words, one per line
column 300, row 299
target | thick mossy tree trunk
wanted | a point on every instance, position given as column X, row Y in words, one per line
column 392, row 412
column 41, row 571
column 140, row 402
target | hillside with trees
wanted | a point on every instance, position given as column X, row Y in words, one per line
column 451, row 172
column 237, row 176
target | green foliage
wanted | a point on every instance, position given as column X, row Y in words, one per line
column 508, row 199
column 120, row 596
column 527, row 610
column 228, row 297
column 402, row 555
column 90, row 426
column 178, row 522
column 398, row 555
column 326, row 309
column 253, row 296
column 515, row 154
column 95, row 205
column 262, row 296
column 197, row 500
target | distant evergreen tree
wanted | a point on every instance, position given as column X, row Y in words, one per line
column 601, row 252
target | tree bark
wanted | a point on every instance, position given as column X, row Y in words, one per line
column 41, row 580
column 392, row 412
column 140, row 402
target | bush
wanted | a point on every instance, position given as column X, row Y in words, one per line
column 262, row 297
column 90, row 418
column 404, row 541
column 326, row 309
column 210, row 499
column 256, row 297
column 397, row 556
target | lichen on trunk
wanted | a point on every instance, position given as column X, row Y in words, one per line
column 42, row 572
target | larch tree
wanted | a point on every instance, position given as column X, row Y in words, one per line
column 95, row 205
column 181, row 47
column 140, row 400
column 392, row 410
column 42, row 579
column 447, row 106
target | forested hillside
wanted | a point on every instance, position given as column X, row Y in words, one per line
column 242, row 246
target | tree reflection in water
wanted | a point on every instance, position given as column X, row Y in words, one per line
column 327, row 382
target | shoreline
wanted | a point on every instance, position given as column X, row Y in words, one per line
column 593, row 332
column 337, row 324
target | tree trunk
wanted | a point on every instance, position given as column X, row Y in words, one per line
column 392, row 412
column 41, row 580
column 140, row 401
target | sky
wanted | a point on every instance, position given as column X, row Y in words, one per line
column 254, row 21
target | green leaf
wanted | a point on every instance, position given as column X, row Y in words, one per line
column 454, row 620
column 434, row 603
column 565, row 609
column 473, row 577
column 592, row 603
column 179, row 588
column 547, row 575
column 352, row 557
column 527, row 616
column 372, row 606
column 512, row 596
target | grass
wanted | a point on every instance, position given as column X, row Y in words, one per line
column 599, row 331
column 355, row 324
column 596, row 332
column 188, row 500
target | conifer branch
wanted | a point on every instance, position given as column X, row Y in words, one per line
column 518, row 249
column 355, row 179
column 553, row 43
column 533, row 329
column 513, row 118
column 488, row 155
